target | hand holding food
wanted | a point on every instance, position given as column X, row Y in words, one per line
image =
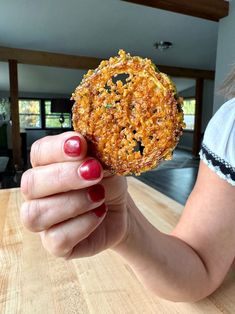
column 130, row 128
column 76, row 211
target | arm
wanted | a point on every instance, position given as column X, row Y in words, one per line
column 190, row 263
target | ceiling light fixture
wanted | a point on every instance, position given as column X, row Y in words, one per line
column 163, row 45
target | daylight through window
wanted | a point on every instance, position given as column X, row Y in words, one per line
column 189, row 112
column 55, row 119
column 36, row 114
column 30, row 113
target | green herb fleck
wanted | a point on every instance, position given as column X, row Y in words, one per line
column 108, row 106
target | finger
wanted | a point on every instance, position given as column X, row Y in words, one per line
column 40, row 214
column 60, row 177
column 93, row 244
column 58, row 148
column 60, row 239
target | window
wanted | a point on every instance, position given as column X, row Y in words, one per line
column 189, row 112
column 36, row 114
column 55, row 119
column 30, row 113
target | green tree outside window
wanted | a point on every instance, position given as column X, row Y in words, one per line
column 53, row 119
column 30, row 114
column 189, row 106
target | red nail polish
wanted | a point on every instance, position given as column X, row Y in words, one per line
column 96, row 193
column 72, row 146
column 100, row 211
column 90, row 169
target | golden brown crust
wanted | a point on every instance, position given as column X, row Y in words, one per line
column 132, row 126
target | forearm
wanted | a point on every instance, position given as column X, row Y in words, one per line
column 167, row 265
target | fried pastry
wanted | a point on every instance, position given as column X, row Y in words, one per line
column 129, row 112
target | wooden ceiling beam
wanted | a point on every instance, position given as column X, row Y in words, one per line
column 212, row 10
column 48, row 58
column 77, row 62
column 187, row 72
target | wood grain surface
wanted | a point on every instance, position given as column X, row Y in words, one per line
column 32, row 281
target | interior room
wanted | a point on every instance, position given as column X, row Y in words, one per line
column 191, row 68
column 46, row 48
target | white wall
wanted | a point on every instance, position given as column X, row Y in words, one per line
column 189, row 92
column 225, row 52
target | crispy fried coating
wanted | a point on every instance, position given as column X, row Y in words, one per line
column 132, row 124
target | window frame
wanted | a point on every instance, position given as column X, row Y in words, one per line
column 43, row 115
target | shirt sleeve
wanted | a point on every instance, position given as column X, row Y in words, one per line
column 218, row 146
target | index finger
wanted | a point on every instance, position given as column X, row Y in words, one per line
column 68, row 146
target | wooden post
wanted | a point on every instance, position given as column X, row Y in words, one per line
column 198, row 117
column 16, row 139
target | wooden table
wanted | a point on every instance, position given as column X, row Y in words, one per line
column 32, row 281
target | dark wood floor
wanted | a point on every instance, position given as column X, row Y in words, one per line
column 175, row 183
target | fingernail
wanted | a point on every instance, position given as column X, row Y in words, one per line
column 100, row 211
column 90, row 170
column 96, row 193
column 72, row 146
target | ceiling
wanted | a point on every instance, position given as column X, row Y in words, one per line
column 100, row 29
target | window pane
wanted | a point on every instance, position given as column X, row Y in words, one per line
column 189, row 106
column 29, row 112
column 30, row 121
column 29, row 106
column 53, row 118
column 189, row 113
column 53, row 121
column 47, row 106
column 189, row 121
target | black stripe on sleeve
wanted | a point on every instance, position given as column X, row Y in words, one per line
column 216, row 161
